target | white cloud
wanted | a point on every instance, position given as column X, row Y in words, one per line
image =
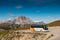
column 9, row 19
column 18, row 7
column 11, row 14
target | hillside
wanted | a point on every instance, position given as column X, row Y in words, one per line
column 55, row 23
column 26, row 35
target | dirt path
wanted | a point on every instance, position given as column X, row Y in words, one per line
column 56, row 32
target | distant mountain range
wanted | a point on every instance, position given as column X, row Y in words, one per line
column 22, row 20
column 55, row 23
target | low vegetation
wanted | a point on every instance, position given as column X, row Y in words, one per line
column 27, row 26
column 3, row 33
column 55, row 23
column 8, row 26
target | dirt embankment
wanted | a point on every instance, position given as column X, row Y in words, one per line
column 20, row 35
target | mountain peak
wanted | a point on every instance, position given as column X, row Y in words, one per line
column 22, row 17
column 23, row 20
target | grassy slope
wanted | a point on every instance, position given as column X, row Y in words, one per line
column 6, row 32
column 3, row 33
column 55, row 23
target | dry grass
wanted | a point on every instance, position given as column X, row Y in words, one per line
column 55, row 23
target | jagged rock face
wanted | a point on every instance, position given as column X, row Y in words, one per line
column 23, row 20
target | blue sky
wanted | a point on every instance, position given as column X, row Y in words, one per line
column 37, row 10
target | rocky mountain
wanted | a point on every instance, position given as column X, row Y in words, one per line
column 23, row 20
column 18, row 22
column 39, row 23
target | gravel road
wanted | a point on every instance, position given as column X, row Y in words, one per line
column 56, row 32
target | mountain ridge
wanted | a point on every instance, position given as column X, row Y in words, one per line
column 54, row 23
